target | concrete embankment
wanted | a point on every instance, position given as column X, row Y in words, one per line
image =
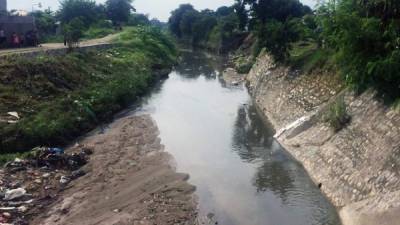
column 358, row 167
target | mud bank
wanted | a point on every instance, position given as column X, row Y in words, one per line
column 358, row 167
column 129, row 180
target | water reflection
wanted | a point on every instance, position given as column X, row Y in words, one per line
column 242, row 175
column 195, row 64
column 250, row 134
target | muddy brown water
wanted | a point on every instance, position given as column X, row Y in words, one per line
column 243, row 176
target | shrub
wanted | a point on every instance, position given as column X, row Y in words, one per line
column 337, row 116
column 244, row 65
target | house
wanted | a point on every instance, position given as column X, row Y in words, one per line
column 14, row 23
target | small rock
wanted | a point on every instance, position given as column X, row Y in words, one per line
column 117, row 210
column 7, row 215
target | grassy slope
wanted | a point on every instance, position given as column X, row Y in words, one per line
column 59, row 98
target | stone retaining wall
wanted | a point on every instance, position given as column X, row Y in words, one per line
column 359, row 166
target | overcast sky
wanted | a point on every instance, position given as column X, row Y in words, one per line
column 155, row 8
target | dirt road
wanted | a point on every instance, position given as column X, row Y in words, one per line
column 52, row 46
column 130, row 180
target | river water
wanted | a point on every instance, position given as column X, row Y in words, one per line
column 242, row 175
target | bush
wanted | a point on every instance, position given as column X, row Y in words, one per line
column 337, row 116
column 366, row 41
column 244, row 65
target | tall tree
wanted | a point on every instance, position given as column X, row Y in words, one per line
column 45, row 21
column 86, row 10
column 241, row 12
column 119, row 11
column 176, row 18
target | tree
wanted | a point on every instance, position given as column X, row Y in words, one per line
column 45, row 22
column 73, row 32
column 189, row 18
column 136, row 19
column 86, row 10
column 176, row 19
column 119, row 11
column 224, row 11
column 203, row 26
column 280, row 10
column 275, row 25
column 241, row 12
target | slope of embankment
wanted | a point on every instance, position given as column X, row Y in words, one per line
column 51, row 99
column 358, row 166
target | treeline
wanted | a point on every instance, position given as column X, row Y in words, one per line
column 86, row 18
column 216, row 30
column 361, row 38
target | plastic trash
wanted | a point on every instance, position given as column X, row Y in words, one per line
column 14, row 194
column 78, row 173
column 65, row 180
column 14, row 114
column 57, row 151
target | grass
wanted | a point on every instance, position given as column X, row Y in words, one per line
column 98, row 32
column 338, row 116
column 307, row 56
column 61, row 97
column 243, row 65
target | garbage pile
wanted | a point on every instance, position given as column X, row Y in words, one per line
column 28, row 185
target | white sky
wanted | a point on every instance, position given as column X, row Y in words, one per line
column 155, row 8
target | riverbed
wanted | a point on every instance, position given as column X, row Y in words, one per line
column 242, row 175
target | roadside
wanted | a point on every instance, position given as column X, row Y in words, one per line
column 52, row 46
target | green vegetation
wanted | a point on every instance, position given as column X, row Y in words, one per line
column 73, row 32
column 365, row 38
column 95, row 20
column 119, row 11
column 307, row 56
column 215, row 30
column 358, row 39
column 59, row 98
column 337, row 116
column 244, row 65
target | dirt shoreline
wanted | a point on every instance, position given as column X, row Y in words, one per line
column 129, row 180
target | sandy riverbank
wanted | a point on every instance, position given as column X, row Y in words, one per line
column 130, row 180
